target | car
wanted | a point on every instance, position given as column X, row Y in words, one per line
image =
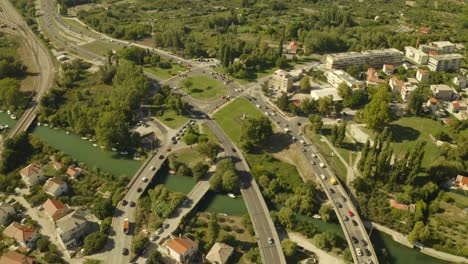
column 304, row 150
column 132, row 204
column 168, row 149
column 159, row 231
column 332, row 191
column 299, row 248
column 299, row 124
column 355, row 240
column 139, row 189
column 161, row 156
column 358, row 251
column 354, row 222
column 368, row 253
column 363, row 242
column 154, row 237
column 233, row 150
column 350, row 213
column 323, row 177
column 313, row 162
column 144, row 179
column 124, row 202
column 322, row 165
column 153, row 168
column 339, row 205
column 343, row 198
column 125, row 251
column 166, row 226
column 270, row 240
column 314, row 155
column 345, row 218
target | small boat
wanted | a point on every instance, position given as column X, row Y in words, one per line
column 102, row 147
column 85, row 138
column 114, row 149
column 9, row 112
column 316, row 216
column 231, row 195
column 13, row 117
column 1, row 111
column 123, row 153
column 46, row 125
column 68, row 133
column 172, row 172
column 94, row 145
column 39, row 123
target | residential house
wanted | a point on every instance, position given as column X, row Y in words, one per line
column 457, row 106
column 23, row 235
column 6, row 211
column 373, row 58
column 55, row 209
column 317, row 94
column 396, row 84
column 373, row 78
column 57, row 165
column 219, row 253
column 336, row 77
column 460, row 81
column 74, row 172
column 293, row 47
column 399, row 206
column 425, row 30
column 442, row 91
column 282, row 81
column 55, row 187
column 407, row 89
column 445, row 62
column 181, row 249
column 388, row 69
column 422, row 75
column 32, row 174
column 416, row 55
column 13, row 257
column 71, row 229
column 461, row 182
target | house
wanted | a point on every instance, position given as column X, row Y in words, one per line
column 460, row 81
column 55, row 187
column 32, row 174
column 373, row 78
column 425, row 30
column 181, row 249
column 219, row 253
column 292, row 48
column 399, row 206
column 445, row 62
column 396, row 84
column 23, row 235
column 74, row 172
column 282, row 81
column 6, row 211
column 442, row 91
column 461, row 182
column 13, row 257
column 71, row 229
column 57, row 165
column 447, row 121
column 422, row 75
column 55, row 209
column 407, row 89
column 336, row 77
column 388, row 69
column 317, row 94
column 457, row 106
column 416, row 55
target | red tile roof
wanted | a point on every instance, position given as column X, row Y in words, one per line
column 293, row 45
column 399, row 206
column 19, row 232
column 181, row 244
column 425, row 30
column 464, row 180
column 57, row 165
column 55, row 208
column 72, row 172
column 31, row 169
column 423, row 71
column 13, row 257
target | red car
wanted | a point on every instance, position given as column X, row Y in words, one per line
column 350, row 213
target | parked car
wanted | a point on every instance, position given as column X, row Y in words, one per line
column 153, row 168
column 350, row 213
column 132, row 204
column 125, row 251
column 355, row 240
column 270, row 240
column 124, row 202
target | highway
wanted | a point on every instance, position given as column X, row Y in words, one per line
column 41, row 59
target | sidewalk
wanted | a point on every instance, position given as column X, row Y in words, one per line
column 349, row 171
column 323, row 256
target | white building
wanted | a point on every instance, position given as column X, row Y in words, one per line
column 282, row 81
column 422, row 75
column 445, row 62
column 6, row 211
column 219, row 253
column 460, row 81
column 55, row 187
column 373, row 58
column 32, row 174
column 336, row 77
column 442, row 91
column 71, row 228
column 439, row 47
column 416, row 55
column 181, row 249
column 317, row 94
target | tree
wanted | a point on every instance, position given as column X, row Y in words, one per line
column 265, row 86
column 348, row 257
column 187, row 83
column 283, row 102
column 305, row 84
column 42, row 244
column 281, row 62
column 103, row 208
column 377, row 112
column 417, row 98
column 139, row 243
column 420, row 233
column 94, row 242
column 289, row 247
column 326, row 212
column 340, row 134
column 155, row 257
column 199, row 170
column 208, row 149
column 286, row 217
column 255, row 131
column 316, row 123
column 344, row 91
column 230, row 181
column 353, row 70
column 325, row 105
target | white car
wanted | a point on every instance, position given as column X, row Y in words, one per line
column 322, row 165
column 258, row 106
column 323, row 176
column 144, row 179
column 359, row 251
column 153, row 168
column 314, row 155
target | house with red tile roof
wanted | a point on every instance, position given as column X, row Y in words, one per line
column 422, row 75
column 55, row 187
column 373, row 78
column 74, row 172
column 388, row 69
column 13, row 257
column 457, row 106
column 425, row 30
column 292, row 48
column 23, row 235
column 461, row 182
column 399, row 206
column 181, row 249
column 32, row 174
column 55, row 209
column 57, row 165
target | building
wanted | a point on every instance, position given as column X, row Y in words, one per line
column 373, row 58
column 55, row 187
column 181, row 249
column 282, row 81
column 442, row 91
column 438, row 47
column 336, row 77
column 406, row 90
column 422, row 75
column 74, row 172
column 13, row 257
column 32, row 174
column 317, row 94
column 425, row 30
column 399, row 206
column 71, row 229
column 55, row 209
column 293, row 47
column 23, row 235
column 445, row 62
column 460, row 81
column 57, row 165
column 457, row 106
column 396, row 84
column 415, row 55
column 6, row 211
column 219, row 253
column 388, row 69
column 461, row 182
column 373, row 78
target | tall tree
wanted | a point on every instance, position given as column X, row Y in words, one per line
column 305, row 84
column 377, row 112
column 417, row 98
column 316, row 123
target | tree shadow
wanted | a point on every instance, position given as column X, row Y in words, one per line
column 168, row 119
column 281, row 141
column 401, row 133
column 196, row 90
column 326, row 131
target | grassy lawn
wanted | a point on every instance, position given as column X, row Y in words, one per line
column 204, row 87
column 101, row 47
column 165, row 73
column 347, row 149
column 188, row 156
column 206, row 131
column 230, row 117
column 460, row 200
column 172, row 119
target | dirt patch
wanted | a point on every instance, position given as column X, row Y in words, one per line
column 28, row 84
column 147, row 42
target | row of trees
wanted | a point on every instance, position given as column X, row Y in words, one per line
column 325, row 106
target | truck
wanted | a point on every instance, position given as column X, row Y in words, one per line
column 333, row 181
column 126, row 226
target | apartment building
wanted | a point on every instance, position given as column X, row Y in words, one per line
column 282, row 81
column 416, row 55
column 373, row 58
column 438, row 47
column 336, row 77
column 445, row 62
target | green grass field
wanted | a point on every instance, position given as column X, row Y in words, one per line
column 165, row 73
column 188, row 156
column 101, row 47
column 204, row 87
column 230, row 117
column 172, row 119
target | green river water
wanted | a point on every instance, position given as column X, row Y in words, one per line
column 84, row 151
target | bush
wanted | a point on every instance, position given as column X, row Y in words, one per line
column 94, row 242
column 139, row 243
